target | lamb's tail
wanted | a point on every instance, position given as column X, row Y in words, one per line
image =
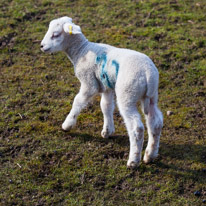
column 152, row 91
column 146, row 104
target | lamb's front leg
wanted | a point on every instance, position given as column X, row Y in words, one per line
column 80, row 102
column 107, row 106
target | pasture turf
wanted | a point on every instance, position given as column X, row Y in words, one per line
column 42, row 165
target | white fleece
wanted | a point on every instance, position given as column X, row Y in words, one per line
column 108, row 70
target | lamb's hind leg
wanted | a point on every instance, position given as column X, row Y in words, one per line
column 154, row 121
column 135, row 130
column 107, row 106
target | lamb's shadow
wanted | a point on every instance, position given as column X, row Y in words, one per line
column 189, row 153
column 182, row 161
column 122, row 140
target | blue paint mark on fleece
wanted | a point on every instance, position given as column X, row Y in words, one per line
column 116, row 64
column 105, row 78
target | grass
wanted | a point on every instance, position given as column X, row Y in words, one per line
column 42, row 165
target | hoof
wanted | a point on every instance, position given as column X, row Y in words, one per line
column 66, row 127
column 68, row 124
column 132, row 165
column 149, row 158
column 106, row 133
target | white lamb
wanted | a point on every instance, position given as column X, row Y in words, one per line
column 108, row 70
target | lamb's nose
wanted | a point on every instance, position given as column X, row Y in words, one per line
column 42, row 47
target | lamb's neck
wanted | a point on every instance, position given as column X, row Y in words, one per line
column 76, row 47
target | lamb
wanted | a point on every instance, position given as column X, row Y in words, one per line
column 129, row 75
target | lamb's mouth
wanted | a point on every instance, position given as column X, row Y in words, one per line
column 45, row 50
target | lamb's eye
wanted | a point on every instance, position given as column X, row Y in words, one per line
column 56, row 34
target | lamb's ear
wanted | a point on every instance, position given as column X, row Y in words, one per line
column 72, row 29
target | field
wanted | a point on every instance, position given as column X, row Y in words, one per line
column 42, row 165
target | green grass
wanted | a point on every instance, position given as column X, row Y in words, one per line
column 42, row 165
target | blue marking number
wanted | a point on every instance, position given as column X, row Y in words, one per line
column 104, row 75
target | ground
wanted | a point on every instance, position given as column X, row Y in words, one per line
column 42, row 165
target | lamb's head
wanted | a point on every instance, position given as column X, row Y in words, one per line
column 58, row 33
